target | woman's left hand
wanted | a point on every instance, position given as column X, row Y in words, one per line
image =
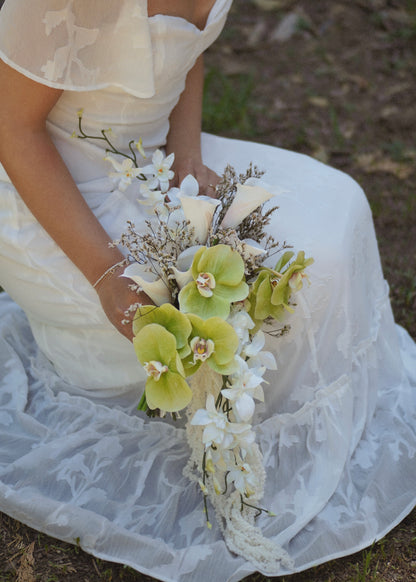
column 206, row 178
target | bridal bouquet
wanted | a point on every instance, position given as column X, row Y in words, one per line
column 202, row 262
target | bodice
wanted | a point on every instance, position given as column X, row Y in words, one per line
column 137, row 93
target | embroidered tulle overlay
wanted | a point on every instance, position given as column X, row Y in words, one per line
column 80, row 44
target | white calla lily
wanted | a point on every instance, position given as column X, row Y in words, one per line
column 199, row 211
column 183, row 271
column 253, row 248
column 248, row 197
column 151, row 284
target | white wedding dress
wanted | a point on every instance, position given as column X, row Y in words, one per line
column 77, row 461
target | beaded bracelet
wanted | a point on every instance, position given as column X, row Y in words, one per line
column 110, row 270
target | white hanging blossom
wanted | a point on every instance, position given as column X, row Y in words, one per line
column 243, row 386
column 125, row 172
column 160, row 171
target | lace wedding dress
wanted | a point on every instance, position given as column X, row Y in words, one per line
column 77, row 460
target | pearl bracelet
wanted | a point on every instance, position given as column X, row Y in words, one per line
column 110, row 271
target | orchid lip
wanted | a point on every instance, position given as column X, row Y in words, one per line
column 205, row 284
column 155, row 369
column 202, row 348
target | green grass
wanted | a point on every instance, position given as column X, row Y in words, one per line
column 227, row 103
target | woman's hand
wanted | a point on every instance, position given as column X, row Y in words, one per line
column 206, row 178
column 116, row 296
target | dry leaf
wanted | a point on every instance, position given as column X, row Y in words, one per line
column 318, row 101
column 389, row 111
column 25, row 572
column 257, row 33
column 376, row 162
column 348, row 129
column 286, row 28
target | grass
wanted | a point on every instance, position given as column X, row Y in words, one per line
column 228, row 103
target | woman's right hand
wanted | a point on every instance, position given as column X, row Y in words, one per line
column 116, row 296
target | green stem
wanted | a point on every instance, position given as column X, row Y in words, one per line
column 259, row 510
column 143, row 403
column 111, row 148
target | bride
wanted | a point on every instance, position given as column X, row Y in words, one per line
column 77, row 460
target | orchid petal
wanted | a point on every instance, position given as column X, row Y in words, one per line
column 245, row 407
column 189, row 186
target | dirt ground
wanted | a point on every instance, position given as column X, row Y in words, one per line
column 334, row 79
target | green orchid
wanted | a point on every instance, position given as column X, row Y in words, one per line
column 218, row 281
column 166, row 387
column 168, row 317
column 271, row 291
column 213, row 341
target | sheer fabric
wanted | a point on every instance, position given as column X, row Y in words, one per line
column 77, row 460
column 82, row 45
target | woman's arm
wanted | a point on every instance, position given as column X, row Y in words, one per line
column 184, row 137
column 46, row 186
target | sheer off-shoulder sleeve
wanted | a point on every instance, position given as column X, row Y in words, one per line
column 79, row 45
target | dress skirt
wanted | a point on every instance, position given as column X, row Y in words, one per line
column 337, row 430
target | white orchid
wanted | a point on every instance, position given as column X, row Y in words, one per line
column 241, row 322
column 221, row 459
column 160, row 171
column 244, row 479
column 125, row 172
column 255, row 356
column 151, row 198
column 248, row 197
column 244, row 438
column 188, row 187
column 245, row 385
column 218, row 430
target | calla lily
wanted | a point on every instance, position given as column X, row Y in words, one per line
column 218, row 274
column 252, row 248
column 166, row 387
column 183, row 270
column 213, row 341
column 151, row 284
column 171, row 319
column 199, row 211
column 248, row 197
